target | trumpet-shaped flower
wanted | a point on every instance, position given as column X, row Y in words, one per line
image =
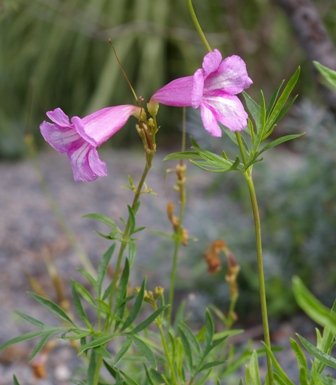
column 80, row 137
column 213, row 88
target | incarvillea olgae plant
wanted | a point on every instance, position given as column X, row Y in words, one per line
column 137, row 337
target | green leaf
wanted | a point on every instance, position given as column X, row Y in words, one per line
column 102, row 268
column 88, row 276
column 31, row 320
column 85, row 294
column 273, row 98
column 130, row 380
column 254, row 369
column 132, row 247
column 95, row 342
column 104, row 219
column 52, row 307
column 22, row 337
column 328, row 74
column 136, row 307
column 300, row 357
column 279, row 105
column 185, row 155
column 210, row 365
column 281, row 373
column 202, row 379
column 317, row 353
column 132, row 219
column 102, row 351
column 252, row 106
column 149, row 320
column 78, row 305
column 40, row 345
column 209, row 329
column 123, row 350
column 121, row 294
column 192, row 340
column 144, row 350
column 16, row 382
column 262, row 113
column 155, row 375
column 91, row 368
column 148, row 376
column 313, row 308
column 278, row 141
column 304, row 377
column 187, row 351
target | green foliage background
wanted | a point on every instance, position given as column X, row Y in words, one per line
column 55, row 53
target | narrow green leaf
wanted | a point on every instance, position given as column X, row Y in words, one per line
column 282, row 113
column 304, row 377
column 148, row 376
column 144, row 324
column 103, row 352
column 102, row 268
column 300, row 357
column 262, row 113
column 78, row 305
column 102, row 340
column 278, row 141
column 187, row 351
column 209, row 329
column 130, row 380
column 317, row 353
column 202, row 379
column 136, row 307
column 195, row 347
column 104, row 219
column 132, row 247
column 132, row 219
column 88, row 276
column 31, row 320
column 40, row 345
column 123, row 350
column 22, row 337
column 144, row 350
column 156, row 376
column 15, row 380
column 185, row 155
column 328, row 74
column 254, row 369
column 91, row 368
column 252, row 106
column 279, row 380
column 84, row 293
column 313, row 308
column 113, row 371
column 52, row 307
column 273, row 98
column 210, row 365
column 282, row 374
column 282, row 101
column 121, row 294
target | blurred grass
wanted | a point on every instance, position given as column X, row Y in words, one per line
column 55, row 53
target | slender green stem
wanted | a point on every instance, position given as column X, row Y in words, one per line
column 99, row 363
column 125, row 239
column 167, row 353
column 262, row 289
column 257, row 225
column 198, row 26
column 179, row 232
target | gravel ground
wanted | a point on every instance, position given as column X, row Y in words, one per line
column 29, row 231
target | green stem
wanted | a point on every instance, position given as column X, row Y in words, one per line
column 125, row 237
column 262, row 288
column 179, row 233
column 198, row 26
column 257, row 226
column 99, row 362
column 166, row 349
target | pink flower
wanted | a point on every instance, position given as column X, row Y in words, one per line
column 80, row 138
column 213, row 88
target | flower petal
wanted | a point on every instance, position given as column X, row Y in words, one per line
column 176, row 93
column 228, row 110
column 59, row 117
column 230, row 77
column 85, row 163
column 61, row 139
column 209, row 121
column 197, row 89
column 99, row 126
column 211, row 62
